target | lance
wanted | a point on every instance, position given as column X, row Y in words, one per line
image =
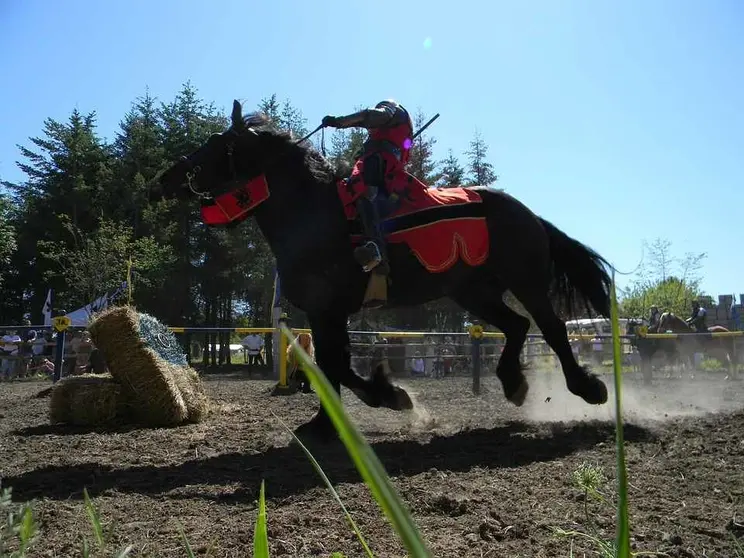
column 425, row 126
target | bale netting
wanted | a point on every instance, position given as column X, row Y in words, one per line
column 88, row 400
column 144, row 357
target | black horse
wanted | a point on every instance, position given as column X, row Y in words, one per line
column 303, row 221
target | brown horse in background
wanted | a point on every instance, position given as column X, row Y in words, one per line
column 721, row 348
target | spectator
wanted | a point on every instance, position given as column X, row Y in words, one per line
column 295, row 368
column 83, row 348
column 25, row 351
column 253, row 344
column 417, row 365
column 9, row 345
column 38, row 345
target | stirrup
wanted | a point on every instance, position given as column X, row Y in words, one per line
column 368, row 256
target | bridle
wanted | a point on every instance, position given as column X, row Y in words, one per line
column 233, row 135
column 242, row 196
column 193, row 170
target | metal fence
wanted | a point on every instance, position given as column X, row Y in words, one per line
column 408, row 354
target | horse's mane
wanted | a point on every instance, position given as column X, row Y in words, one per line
column 302, row 154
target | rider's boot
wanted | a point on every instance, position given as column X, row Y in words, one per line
column 372, row 255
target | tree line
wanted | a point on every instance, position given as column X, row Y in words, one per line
column 80, row 221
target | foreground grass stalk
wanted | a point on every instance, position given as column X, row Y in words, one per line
column 364, row 457
column 622, row 544
column 97, row 526
column 260, row 533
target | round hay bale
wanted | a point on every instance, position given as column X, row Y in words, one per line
column 88, row 400
column 146, row 359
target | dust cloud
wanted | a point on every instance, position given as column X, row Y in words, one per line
column 550, row 401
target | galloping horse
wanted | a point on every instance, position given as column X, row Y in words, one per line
column 648, row 347
column 469, row 244
column 720, row 347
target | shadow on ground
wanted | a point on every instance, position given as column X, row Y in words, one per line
column 287, row 470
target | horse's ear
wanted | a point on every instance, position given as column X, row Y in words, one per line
column 237, row 115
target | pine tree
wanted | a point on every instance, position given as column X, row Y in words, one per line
column 284, row 116
column 139, row 152
column 7, row 237
column 186, row 122
column 481, row 171
column 453, row 174
column 67, row 176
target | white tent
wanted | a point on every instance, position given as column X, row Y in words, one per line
column 81, row 316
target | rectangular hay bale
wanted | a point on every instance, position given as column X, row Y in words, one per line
column 88, row 400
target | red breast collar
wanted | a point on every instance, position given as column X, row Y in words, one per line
column 235, row 205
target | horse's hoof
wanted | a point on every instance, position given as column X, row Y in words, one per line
column 519, row 396
column 367, row 398
column 400, row 400
column 316, row 430
column 591, row 389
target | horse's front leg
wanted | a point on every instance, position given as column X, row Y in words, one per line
column 333, row 356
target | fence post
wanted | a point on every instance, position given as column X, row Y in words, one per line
column 476, row 336
column 60, row 324
column 282, row 386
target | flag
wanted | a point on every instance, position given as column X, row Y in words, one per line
column 119, row 290
column 47, row 311
column 81, row 316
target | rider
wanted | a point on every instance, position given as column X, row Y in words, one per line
column 384, row 155
column 697, row 320
column 654, row 316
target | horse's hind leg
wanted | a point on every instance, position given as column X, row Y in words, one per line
column 486, row 303
column 579, row 381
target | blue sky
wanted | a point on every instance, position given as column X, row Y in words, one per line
column 618, row 122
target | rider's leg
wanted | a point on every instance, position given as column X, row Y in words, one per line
column 373, row 254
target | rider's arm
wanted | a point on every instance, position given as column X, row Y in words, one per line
column 367, row 118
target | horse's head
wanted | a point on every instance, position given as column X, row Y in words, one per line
column 235, row 171
column 224, row 159
column 669, row 321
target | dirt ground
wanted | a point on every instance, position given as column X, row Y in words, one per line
column 481, row 477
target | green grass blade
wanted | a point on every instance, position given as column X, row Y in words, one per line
column 95, row 520
column 622, row 543
column 28, row 530
column 327, row 482
column 260, row 534
column 185, row 541
column 364, row 457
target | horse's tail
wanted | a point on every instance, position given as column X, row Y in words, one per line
column 579, row 274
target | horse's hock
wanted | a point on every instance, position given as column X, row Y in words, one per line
column 153, row 382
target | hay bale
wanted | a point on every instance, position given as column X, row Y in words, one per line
column 193, row 392
column 146, row 359
column 88, row 400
